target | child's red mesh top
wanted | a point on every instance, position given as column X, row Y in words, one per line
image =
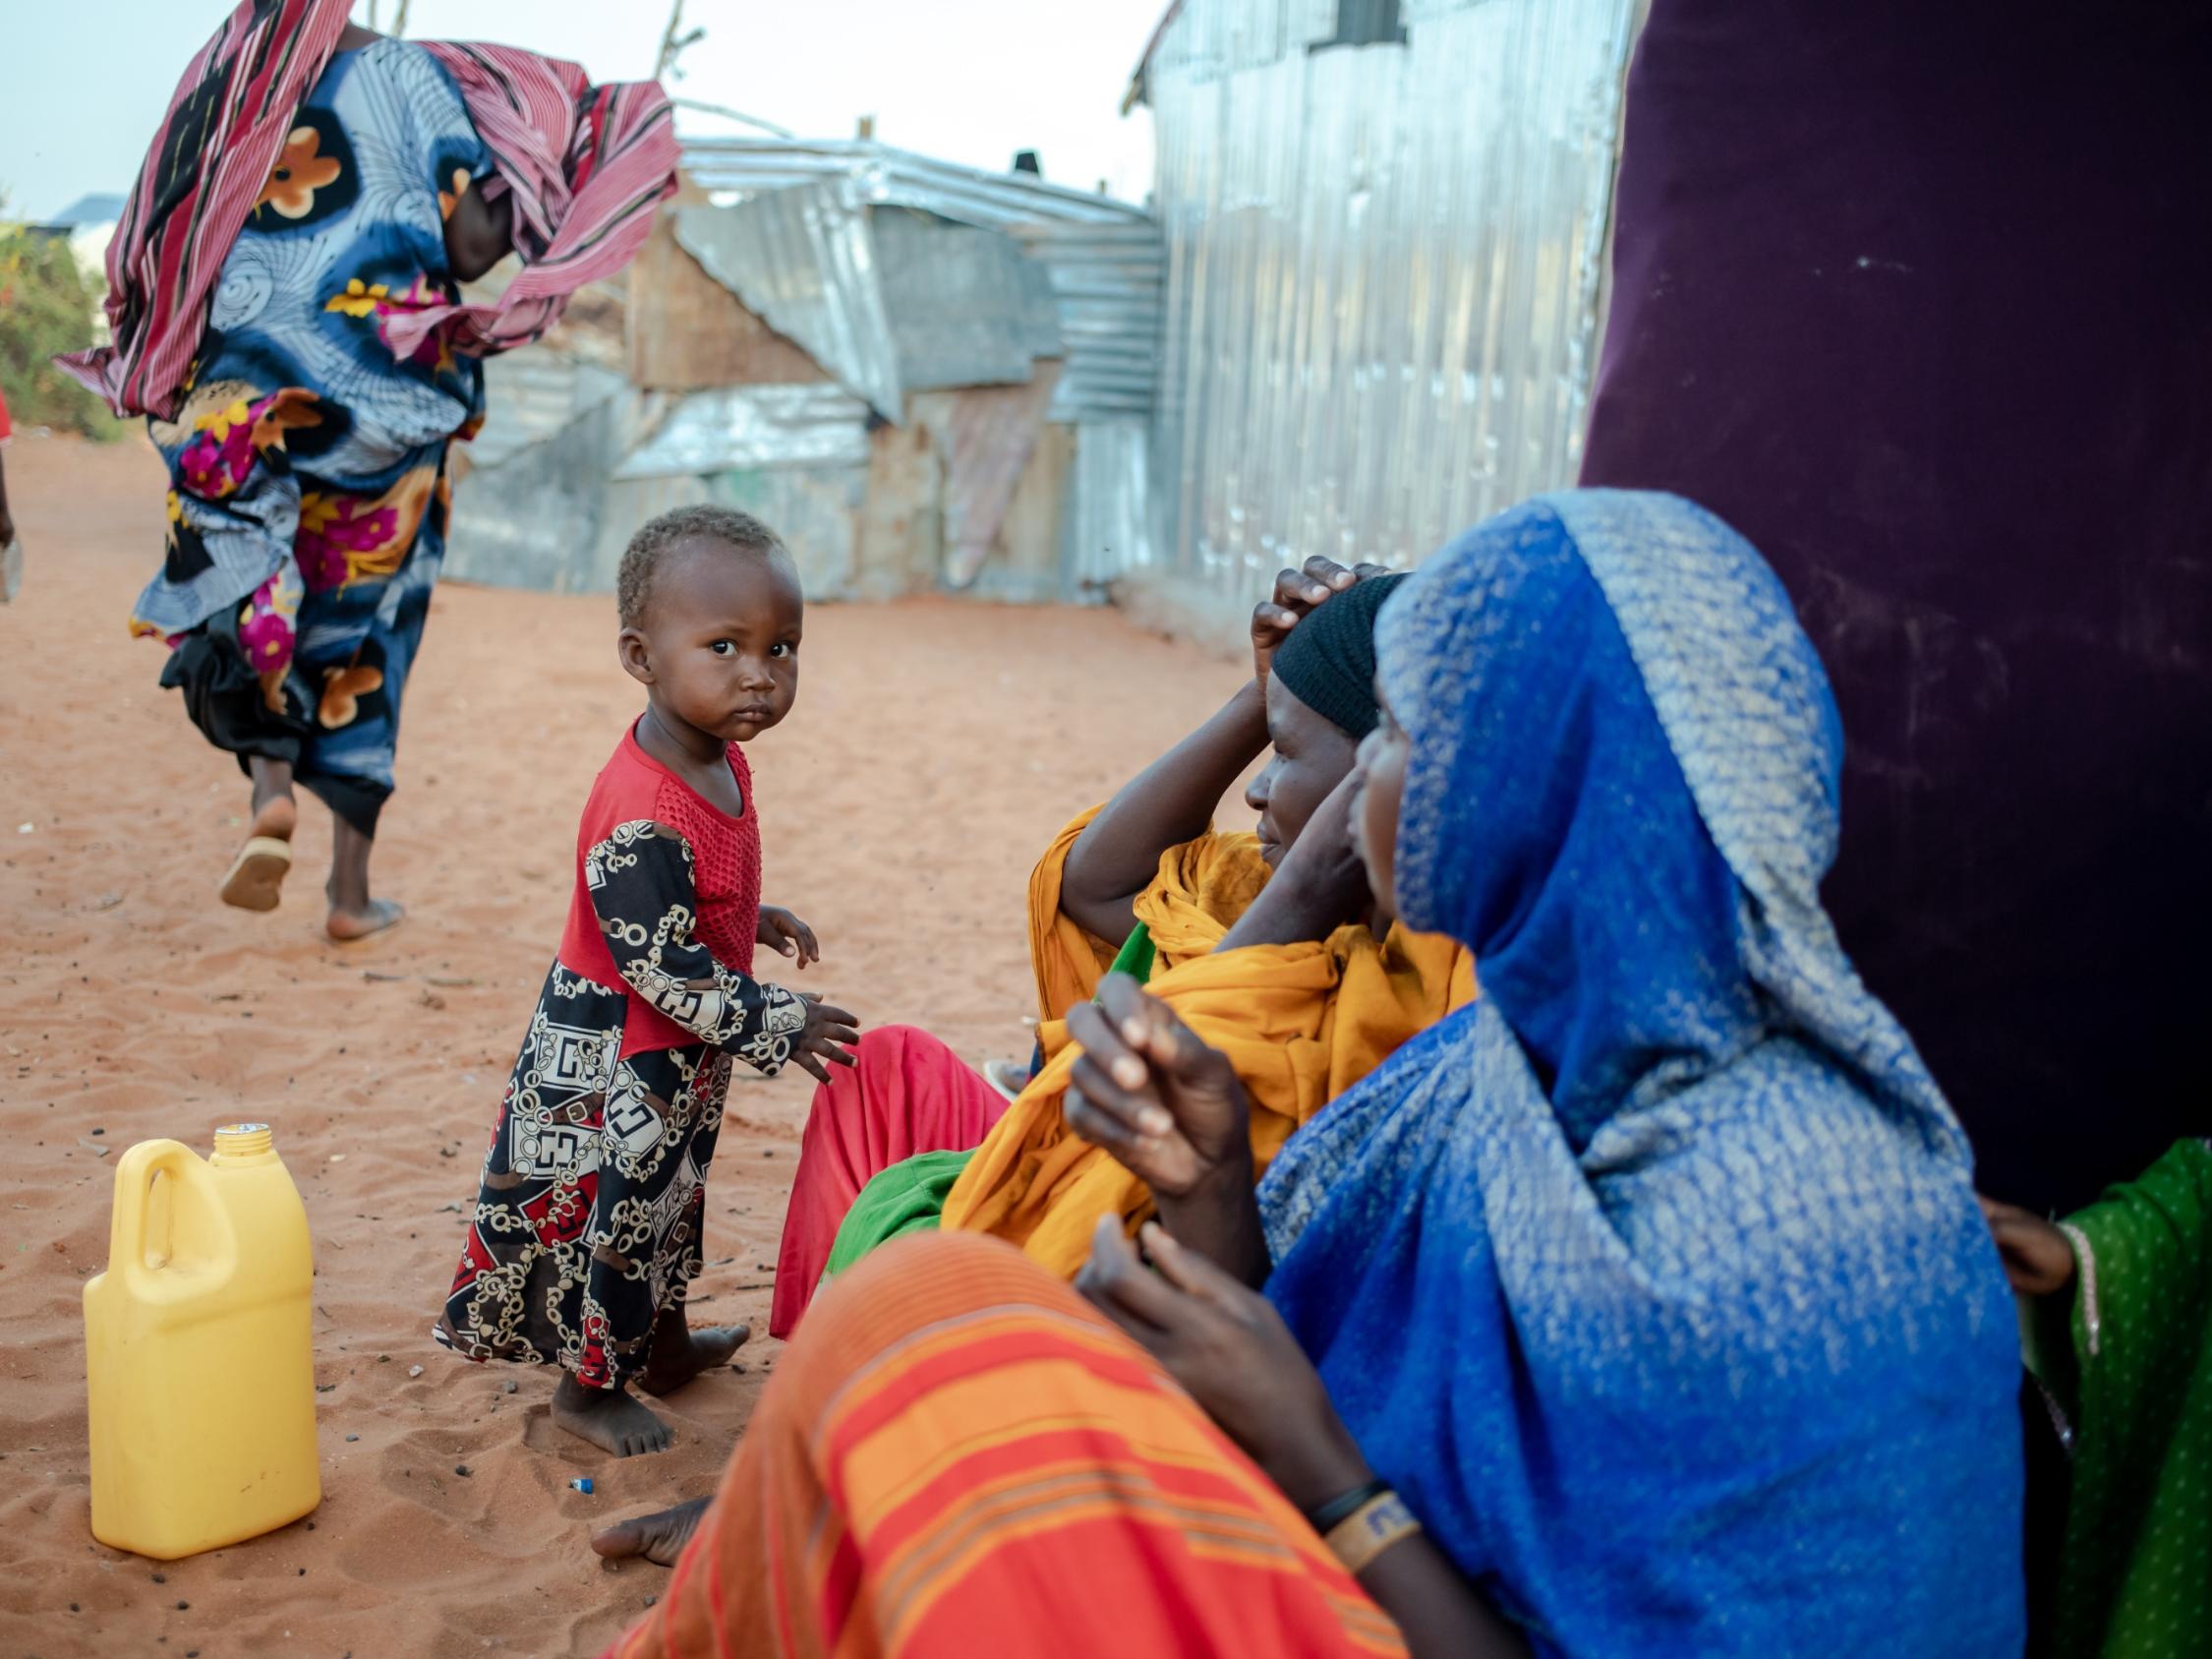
column 631, row 788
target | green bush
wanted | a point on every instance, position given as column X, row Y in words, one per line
column 46, row 307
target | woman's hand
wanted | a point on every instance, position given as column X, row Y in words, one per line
column 1319, row 886
column 1229, row 1346
column 1230, row 1349
column 785, row 933
column 2038, row 1259
column 1170, row 1110
column 1297, row 593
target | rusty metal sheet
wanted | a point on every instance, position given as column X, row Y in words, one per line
column 804, row 260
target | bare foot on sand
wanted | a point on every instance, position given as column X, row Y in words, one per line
column 675, row 1360
column 379, row 916
column 659, row 1537
column 608, row 1418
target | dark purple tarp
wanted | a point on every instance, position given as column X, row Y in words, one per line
column 1917, row 298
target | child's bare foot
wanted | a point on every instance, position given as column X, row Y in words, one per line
column 608, row 1418
column 678, row 1360
column 659, row 1537
column 378, row 916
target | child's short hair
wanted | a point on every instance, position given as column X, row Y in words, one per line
column 649, row 550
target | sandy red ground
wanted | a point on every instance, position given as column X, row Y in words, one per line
column 935, row 748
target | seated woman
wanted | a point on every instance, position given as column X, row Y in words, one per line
column 2117, row 1326
column 1267, row 944
column 1641, row 1307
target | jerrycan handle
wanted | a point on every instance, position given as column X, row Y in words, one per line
column 133, row 1182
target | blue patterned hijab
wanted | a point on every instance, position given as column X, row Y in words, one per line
column 1655, row 1278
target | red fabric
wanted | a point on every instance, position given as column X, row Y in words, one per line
column 224, row 129
column 960, row 1456
column 635, row 787
column 586, row 166
column 6, row 431
column 908, row 1093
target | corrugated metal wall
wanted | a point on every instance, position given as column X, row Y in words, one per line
column 1383, row 274
column 1104, row 261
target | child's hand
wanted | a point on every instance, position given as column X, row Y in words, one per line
column 785, row 933
column 830, row 1031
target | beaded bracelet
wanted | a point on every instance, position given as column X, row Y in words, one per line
column 1374, row 1526
column 1342, row 1507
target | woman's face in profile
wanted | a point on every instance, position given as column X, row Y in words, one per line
column 1312, row 756
column 1380, row 788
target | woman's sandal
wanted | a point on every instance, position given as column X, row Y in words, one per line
column 257, row 874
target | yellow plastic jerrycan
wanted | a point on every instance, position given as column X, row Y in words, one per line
column 198, row 1353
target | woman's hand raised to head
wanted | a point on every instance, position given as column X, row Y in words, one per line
column 1297, row 593
column 1168, row 1107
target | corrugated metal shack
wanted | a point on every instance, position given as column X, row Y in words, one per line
column 922, row 375
column 1386, row 226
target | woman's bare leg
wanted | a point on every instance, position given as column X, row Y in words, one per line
column 275, row 813
column 256, row 880
column 354, row 915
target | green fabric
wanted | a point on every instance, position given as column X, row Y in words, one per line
column 2135, row 1578
column 909, row 1197
column 1137, row 954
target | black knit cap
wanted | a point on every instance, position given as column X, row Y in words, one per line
column 1329, row 661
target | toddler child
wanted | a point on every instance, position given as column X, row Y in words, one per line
column 587, row 1226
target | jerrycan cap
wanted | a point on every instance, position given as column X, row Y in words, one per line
column 243, row 1139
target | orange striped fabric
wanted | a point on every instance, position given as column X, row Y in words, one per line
column 958, row 1456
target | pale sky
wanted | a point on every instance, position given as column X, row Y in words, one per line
column 83, row 81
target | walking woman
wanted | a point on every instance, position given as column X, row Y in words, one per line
column 285, row 309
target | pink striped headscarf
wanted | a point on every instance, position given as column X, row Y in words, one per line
column 587, row 165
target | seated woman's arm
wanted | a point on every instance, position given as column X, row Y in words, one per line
column 1226, row 1345
column 1169, row 803
column 1172, row 801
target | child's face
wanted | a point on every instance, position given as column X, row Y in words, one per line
column 721, row 638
